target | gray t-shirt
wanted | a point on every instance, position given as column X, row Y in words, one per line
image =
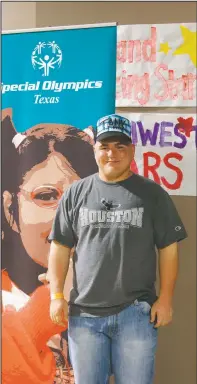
column 114, row 228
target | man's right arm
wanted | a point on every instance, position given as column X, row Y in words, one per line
column 62, row 240
column 59, row 258
column 58, row 265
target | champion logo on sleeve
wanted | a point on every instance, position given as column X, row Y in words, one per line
column 178, row 228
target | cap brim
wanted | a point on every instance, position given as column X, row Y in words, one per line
column 107, row 135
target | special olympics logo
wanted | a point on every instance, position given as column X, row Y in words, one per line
column 46, row 56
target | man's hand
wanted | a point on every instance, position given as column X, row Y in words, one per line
column 59, row 312
column 161, row 312
column 58, row 307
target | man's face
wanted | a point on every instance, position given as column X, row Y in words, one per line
column 113, row 157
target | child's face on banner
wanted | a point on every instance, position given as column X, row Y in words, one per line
column 38, row 198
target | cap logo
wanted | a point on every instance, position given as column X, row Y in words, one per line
column 112, row 124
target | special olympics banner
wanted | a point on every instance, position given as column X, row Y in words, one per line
column 156, row 65
column 59, row 76
column 55, row 83
column 166, row 150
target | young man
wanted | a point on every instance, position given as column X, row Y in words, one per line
column 114, row 219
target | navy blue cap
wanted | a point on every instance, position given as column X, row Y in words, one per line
column 113, row 125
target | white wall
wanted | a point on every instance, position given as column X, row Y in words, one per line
column 18, row 15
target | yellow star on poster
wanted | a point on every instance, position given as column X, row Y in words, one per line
column 164, row 47
column 189, row 45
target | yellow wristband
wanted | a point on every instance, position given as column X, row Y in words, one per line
column 55, row 296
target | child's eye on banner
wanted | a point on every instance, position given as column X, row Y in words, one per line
column 44, row 196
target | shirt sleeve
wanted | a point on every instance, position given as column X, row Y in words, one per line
column 62, row 230
column 168, row 227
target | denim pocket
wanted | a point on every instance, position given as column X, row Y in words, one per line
column 143, row 307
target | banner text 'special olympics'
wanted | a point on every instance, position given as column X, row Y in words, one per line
column 52, row 86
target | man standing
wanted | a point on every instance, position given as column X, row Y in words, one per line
column 114, row 220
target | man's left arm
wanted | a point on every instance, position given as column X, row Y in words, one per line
column 161, row 312
column 168, row 232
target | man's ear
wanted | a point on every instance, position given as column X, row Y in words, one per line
column 7, row 204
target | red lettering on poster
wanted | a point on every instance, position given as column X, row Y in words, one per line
column 172, row 87
column 179, row 179
column 134, row 46
column 150, row 45
column 133, row 87
column 154, row 168
column 138, row 86
column 121, row 51
column 135, row 51
column 134, row 167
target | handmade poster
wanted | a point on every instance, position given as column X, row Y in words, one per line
column 55, row 84
column 165, row 150
column 156, row 65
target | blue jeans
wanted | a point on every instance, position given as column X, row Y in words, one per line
column 123, row 344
